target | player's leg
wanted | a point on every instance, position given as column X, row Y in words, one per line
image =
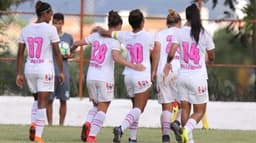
column 92, row 91
column 45, row 86
column 139, row 104
column 193, row 120
column 185, row 108
column 34, row 109
column 98, row 120
column 105, row 95
column 31, row 82
column 32, row 129
column 185, row 113
column 199, row 98
column 87, row 124
column 165, row 97
column 165, row 120
column 41, row 114
column 133, row 128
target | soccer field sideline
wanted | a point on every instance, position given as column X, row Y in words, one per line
column 221, row 115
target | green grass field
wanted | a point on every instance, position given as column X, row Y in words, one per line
column 67, row 134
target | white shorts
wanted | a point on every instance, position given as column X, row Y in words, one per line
column 40, row 82
column 136, row 85
column 192, row 89
column 166, row 88
column 100, row 91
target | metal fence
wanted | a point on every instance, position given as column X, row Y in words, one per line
column 230, row 79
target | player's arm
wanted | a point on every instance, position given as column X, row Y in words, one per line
column 103, row 32
column 58, row 57
column 20, row 60
column 155, row 54
column 210, row 46
column 172, row 52
column 77, row 44
column 70, row 55
column 120, row 60
column 170, row 57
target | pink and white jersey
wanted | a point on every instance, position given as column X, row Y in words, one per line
column 38, row 38
column 101, row 65
column 192, row 55
column 165, row 38
column 138, row 47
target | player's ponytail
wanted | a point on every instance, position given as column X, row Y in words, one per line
column 42, row 7
column 114, row 19
column 172, row 18
column 193, row 16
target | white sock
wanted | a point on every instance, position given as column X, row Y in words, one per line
column 132, row 116
column 133, row 129
column 165, row 120
column 91, row 113
column 40, row 121
column 97, row 123
column 190, row 135
column 34, row 109
column 190, row 125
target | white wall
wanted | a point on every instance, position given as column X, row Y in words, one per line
column 221, row 115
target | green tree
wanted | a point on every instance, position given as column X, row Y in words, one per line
column 8, row 69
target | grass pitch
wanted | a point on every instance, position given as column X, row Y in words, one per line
column 67, row 134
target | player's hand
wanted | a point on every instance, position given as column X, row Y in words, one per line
column 153, row 76
column 97, row 29
column 20, row 80
column 62, row 78
column 139, row 67
column 167, row 69
column 71, row 55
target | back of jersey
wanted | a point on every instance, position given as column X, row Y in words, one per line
column 138, row 46
column 192, row 55
column 38, row 38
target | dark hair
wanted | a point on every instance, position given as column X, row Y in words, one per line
column 42, row 7
column 58, row 16
column 173, row 17
column 135, row 18
column 114, row 19
column 193, row 16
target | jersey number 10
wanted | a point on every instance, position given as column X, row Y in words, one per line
column 136, row 53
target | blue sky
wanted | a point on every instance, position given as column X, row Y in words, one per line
column 152, row 7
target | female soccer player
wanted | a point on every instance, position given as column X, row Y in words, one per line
column 166, row 86
column 100, row 76
column 41, row 40
column 194, row 43
column 139, row 45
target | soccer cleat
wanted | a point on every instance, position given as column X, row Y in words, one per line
column 39, row 140
column 175, row 126
column 85, row 131
column 184, row 136
column 32, row 132
column 91, row 139
column 165, row 139
column 132, row 141
column 117, row 134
